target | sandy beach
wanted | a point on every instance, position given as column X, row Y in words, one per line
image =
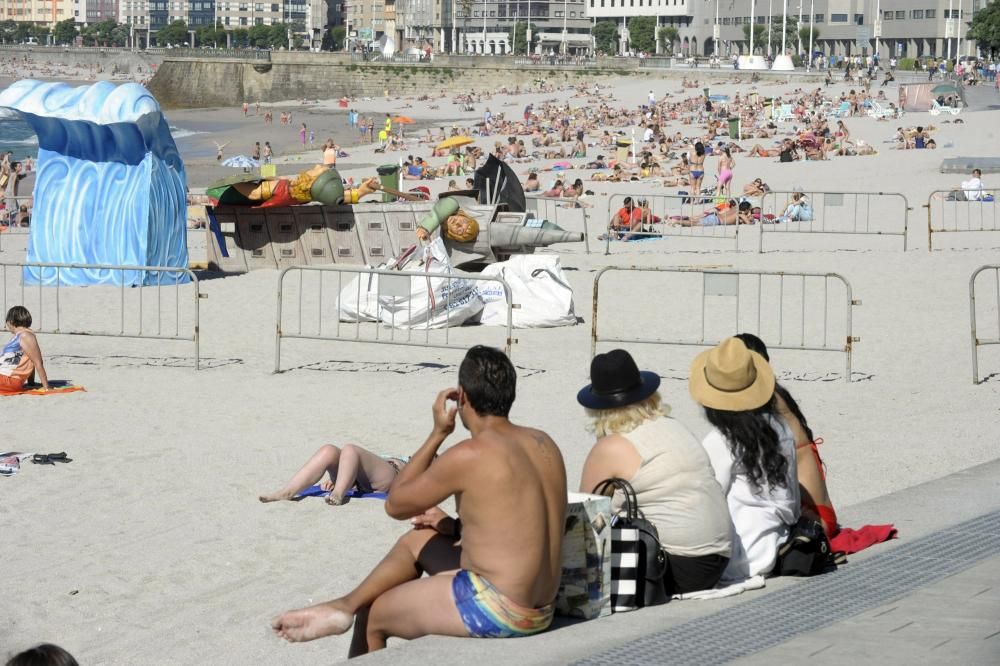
column 151, row 546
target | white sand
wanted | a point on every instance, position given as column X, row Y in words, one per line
column 151, row 546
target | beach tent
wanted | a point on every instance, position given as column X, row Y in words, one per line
column 497, row 183
column 110, row 186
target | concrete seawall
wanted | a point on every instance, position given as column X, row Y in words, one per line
column 191, row 83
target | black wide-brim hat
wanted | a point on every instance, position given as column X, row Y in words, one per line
column 616, row 381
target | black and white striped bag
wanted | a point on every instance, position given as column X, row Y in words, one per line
column 638, row 564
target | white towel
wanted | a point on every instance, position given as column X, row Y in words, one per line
column 728, row 590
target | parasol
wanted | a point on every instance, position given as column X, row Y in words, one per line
column 455, row 142
column 241, row 162
column 403, row 120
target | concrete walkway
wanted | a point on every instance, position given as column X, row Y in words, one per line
column 930, row 596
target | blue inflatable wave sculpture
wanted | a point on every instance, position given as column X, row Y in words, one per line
column 110, row 186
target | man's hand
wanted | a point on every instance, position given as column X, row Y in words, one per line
column 444, row 416
column 434, row 519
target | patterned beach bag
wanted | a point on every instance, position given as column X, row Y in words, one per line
column 638, row 563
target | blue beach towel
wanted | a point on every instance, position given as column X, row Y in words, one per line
column 316, row 491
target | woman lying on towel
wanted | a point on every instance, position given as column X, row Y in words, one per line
column 21, row 357
column 349, row 468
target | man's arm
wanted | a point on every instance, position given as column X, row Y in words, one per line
column 419, row 485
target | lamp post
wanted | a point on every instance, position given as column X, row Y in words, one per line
column 799, row 31
column 958, row 32
column 878, row 26
column 812, row 20
column 783, row 62
column 527, row 47
column 770, row 13
column 717, row 30
column 947, row 30
column 784, row 26
column 565, row 14
column 484, row 28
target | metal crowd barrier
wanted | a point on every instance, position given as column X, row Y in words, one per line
column 82, row 311
column 557, row 210
column 663, row 207
column 978, row 342
column 330, row 324
column 945, row 213
column 841, row 213
column 771, row 304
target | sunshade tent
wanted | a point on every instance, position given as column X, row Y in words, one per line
column 455, row 142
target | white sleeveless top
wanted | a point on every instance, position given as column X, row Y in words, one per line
column 677, row 491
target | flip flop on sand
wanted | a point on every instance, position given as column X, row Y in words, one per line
column 50, row 458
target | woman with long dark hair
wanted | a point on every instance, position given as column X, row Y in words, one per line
column 752, row 452
column 816, row 501
column 696, row 169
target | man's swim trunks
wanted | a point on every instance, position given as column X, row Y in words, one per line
column 488, row 614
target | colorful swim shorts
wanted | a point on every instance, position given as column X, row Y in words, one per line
column 486, row 613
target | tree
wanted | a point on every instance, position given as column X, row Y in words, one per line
column 176, row 33
column 260, row 36
column 334, row 39
column 65, row 32
column 518, row 36
column 668, row 36
column 759, row 37
column 40, row 33
column 606, row 36
column 641, row 31
column 986, row 27
column 804, row 34
column 241, row 38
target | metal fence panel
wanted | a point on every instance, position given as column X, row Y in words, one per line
column 317, row 313
column 840, row 213
column 151, row 312
column 793, row 311
column 666, row 209
column 986, row 308
column 569, row 214
column 946, row 214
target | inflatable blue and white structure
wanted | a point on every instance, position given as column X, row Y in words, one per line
column 110, row 186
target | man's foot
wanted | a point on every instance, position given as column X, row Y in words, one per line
column 277, row 497
column 307, row 624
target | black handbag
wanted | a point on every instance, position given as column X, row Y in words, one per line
column 806, row 552
column 638, row 563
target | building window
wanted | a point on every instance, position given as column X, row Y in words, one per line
column 930, row 13
column 917, row 13
column 901, row 15
column 838, row 18
column 887, row 15
column 859, row 19
column 819, row 18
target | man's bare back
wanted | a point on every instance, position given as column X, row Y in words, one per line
column 513, row 512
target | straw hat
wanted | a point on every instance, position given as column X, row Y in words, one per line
column 616, row 381
column 731, row 378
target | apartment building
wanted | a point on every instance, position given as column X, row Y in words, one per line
column 903, row 28
column 485, row 27
column 47, row 12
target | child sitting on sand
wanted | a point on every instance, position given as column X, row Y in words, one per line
column 350, row 467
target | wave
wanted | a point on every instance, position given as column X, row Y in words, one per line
column 179, row 133
column 31, row 141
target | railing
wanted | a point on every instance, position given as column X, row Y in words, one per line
column 201, row 53
column 769, row 303
column 558, row 211
column 554, row 61
column 978, row 342
column 398, row 58
column 336, row 325
column 88, row 311
column 664, row 211
column 950, row 211
column 839, row 213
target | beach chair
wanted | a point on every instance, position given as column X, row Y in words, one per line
column 841, row 110
column 936, row 109
column 877, row 111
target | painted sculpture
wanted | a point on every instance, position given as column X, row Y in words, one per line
column 110, row 184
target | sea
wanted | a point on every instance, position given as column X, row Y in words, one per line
column 17, row 137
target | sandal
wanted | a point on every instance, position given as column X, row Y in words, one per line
column 50, row 458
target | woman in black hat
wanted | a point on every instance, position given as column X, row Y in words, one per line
column 665, row 464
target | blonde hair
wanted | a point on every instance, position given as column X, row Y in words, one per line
column 623, row 420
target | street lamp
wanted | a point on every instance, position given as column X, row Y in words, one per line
column 783, row 62
column 565, row 14
column 812, row 20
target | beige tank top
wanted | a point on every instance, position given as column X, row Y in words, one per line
column 677, row 491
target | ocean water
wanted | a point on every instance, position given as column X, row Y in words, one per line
column 17, row 136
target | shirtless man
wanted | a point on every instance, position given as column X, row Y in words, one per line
column 494, row 571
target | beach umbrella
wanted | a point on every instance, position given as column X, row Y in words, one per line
column 403, row 120
column 945, row 89
column 241, row 162
column 455, row 142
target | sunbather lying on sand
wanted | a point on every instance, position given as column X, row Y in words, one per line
column 350, row 467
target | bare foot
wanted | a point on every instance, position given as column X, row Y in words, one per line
column 277, row 497
column 333, row 499
column 307, row 624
